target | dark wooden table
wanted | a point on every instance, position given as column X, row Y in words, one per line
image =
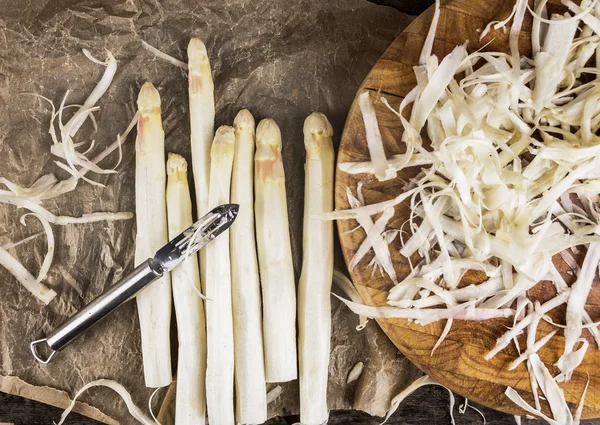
column 429, row 405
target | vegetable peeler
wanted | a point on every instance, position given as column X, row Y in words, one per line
column 166, row 259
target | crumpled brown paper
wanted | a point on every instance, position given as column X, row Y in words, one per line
column 280, row 59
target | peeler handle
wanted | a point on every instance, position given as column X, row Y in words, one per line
column 101, row 307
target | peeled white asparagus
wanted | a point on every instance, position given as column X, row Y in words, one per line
column 591, row 21
column 202, row 126
column 219, row 315
column 250, row 385
column 561, row 415
column 154, row 302
column 190, row 400
column 314, row 287
column 568, row 363
column 274, row 256
column 538, row 29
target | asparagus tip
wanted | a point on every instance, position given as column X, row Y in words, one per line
column 317, row 124
column 268, row 133
column 244, row 120
column 197, row 53
column 317, row 135
column 224, row 135
column 148, row 99
column 223, row 145
column 200, row 78
column 176, row 164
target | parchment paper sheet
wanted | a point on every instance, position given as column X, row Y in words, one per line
column 280, row 59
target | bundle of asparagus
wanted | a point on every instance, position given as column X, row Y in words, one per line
column 236, row 307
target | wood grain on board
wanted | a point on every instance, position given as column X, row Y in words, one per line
column 459, row 362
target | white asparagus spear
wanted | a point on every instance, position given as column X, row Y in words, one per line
column 190, row 400
column 314, row 288
column 219, row 315
column 274, row 256
column 154, row 302
column 202, row 126
column 251, row 391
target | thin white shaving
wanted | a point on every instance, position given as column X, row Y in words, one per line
column 135, row 411
column 373, row 234
column 576, row 306
column 428, row 44
column 150, row 405
column 463, row 408
column 63, row 220
column 380, row 244
column 355, row 372
column 427, row 316
column 505, row 339
column 37, row 289
column 342, row 282
column 12, row 245
column 498, row 24
column 421, row 382
column 91, row 57
column 48, row 186
column 436, row 87
column 80, row 116
column 561, row 415
column 397, row 162
column 509, row 180
column 274, row 393
column 49, row 245
column 164, row 56
column 374, row 141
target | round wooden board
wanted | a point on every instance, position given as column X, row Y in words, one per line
column 459, row 362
